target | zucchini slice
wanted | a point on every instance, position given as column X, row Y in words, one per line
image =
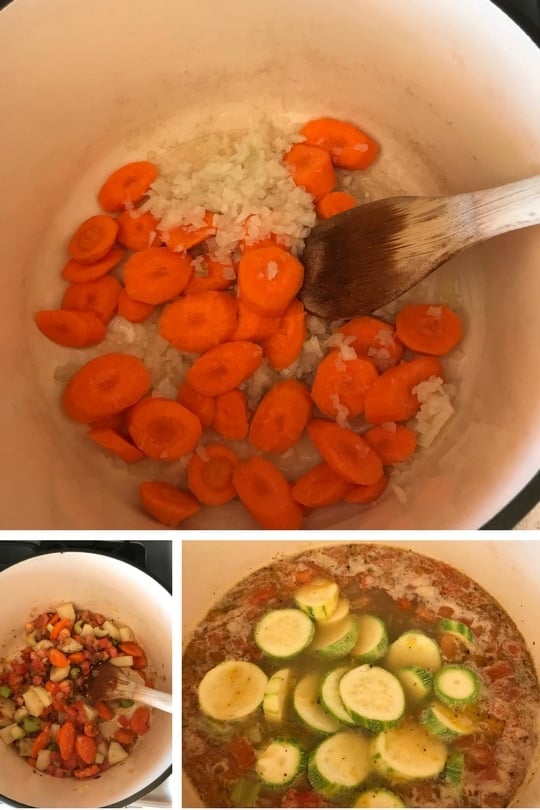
column 378, row 797
column 232, row 690
column 416, row 649
column 284, row 633
column 458, row 629
column 373, row 696
column 308, row 708
column 339, row 764
column 445, row 722
column 318, row 598
column 453, row 772
column 279, row 762
column 416, row 682
column 372, row 641
column 408, row 753
column 331, row 698
column 336, row 640
column 456, row 685
column 342, row 610
column 276, row 696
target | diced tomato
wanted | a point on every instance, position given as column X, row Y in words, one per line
column 84, row 773
column 404, row 604
column 446, row 611
column 502, row 669
column 303, row 576
column 242, row 752
column 261, row 595
column 123, row 721
column 139, row 662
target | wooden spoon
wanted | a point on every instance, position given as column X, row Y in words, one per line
column 366, row 257
column 113, row 683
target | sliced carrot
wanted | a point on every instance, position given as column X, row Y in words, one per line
column 41, row 741
column 65, row 739
column 211, row 479
column 197, row 322
column 127, row 185
column 104, row 386
column 231, row 415
column 139, row 662
column 124, row 736
column 349, row 147
column 312, row 169
column 131, row 648
column 104, row 711
column 86, row 773
column 334, row 203
column 430, row 329
column 139, row 721
column 281, row 417
column 57, row 658
column 112, row 441
column 132, row 310
column 266, row 494
column 392, row 443
column 268, row 280
column 99, row 296
column 201, row 406
column 209, row 274
column 82, row 273
column 156, row 275
column 167, row 504
column 282, row 349
column 93, row 239
column 342, row 383
column 137, row 232
column 67, row 328
column 391, row 398
column 85, row 748
column 77, row 658
column 374, row 338
column 183, row 238
column 347, row 453
column 367, row 493
column 63, row 624
column 115, row 422
column 164, row 429
column 224, row 367
column 319, row 487
column 253, row 326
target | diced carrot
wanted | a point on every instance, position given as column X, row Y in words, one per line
column 127, row 185
column 252, row 326
column 183, row 237
column 41, row 741
column 262, row 595
column 268, row 280
column 347, row 453
column 83, row 273
column 57, row 658
column 104, row 711
column 86, row 773
column 281, row 417
column 285, row 345
column 93, row 239
column 65, row 739
column 124, row 736
column 112, row 441
column 167, row 504
column 231, row 415
column 132, row 310
column 163, row 429
column 139, row 662
column 77, row 658
column 201, row 406
column 99, row 296
column 334, row 203
column 266, row 494
column 224, row 367
column 374, row 338
column 303, row 576
column 342, row 383
column 392, row 443
column 319, row 487
column 156, row 275
column 391, row 398
column 139, row 721
column 197, row 322
column 114, row 422
column 70, row 328
column 91, row 730
column 131, row 648
column 209, row 274
column 211, row 479
column 349, row 147
column 367, row 493
column 137, row 232
column 312, row 169
column 85, row 748
column 104, row 386
column 434, row 329
column 63, row 624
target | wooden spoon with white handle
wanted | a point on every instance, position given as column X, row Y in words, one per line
column 364, row 258
column 112, row 683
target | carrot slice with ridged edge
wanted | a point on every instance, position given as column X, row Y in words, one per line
column 390, row 398
column 342, row 383
column 163, row 429
column 82, row 273
column 115, row 443
column 127, row 185
column 320, row 487
column 312, row 169
column 197, row 322
column 182, row 237
column 268, row 280
column 76, row 329
column 283, row 348
column 137, row 231
column 347, row 453
column 266, row 494
column 281, row 417
column 231, row 415
column 392, row 443
column 211, row 478
column 167, row 504
column 93, row 239
column 224, row 367
column 348, row 146
column 429, row 328
column 156, row 275
column 374, row 338
column 99, row 296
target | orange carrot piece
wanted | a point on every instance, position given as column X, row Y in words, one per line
column 285, row 345
column 65, row 739
column 93, row 239
column 132, row 310
column 434, row 329
column 342, row 383
column 231, row 415
column 115, row 422
column 63, row 624
column 139, row 721
column 374, row 338
column 85, row 748
column 41, row 741
column 183, row 238
column 82, row 273
column 57, row 658
column 99, row 296
column 319, row 487
column 266, row 494
column 392, row 443
column 349, row 147
column 104, row 711
column 224, row 367
column 137, row 232
column 268, row 280
column 211, row 479
column 281, row 417
column 86, row 773
column 132, row 648
column 112, row 441
column 127, row 185
column 253, row 326
column 70, row 328
column 347, row 453
column 77, row 658
column 367, row 493
column 311, row 168
column 156, row 275
column 197, row 322
column 104, row 386
column 209, row 274
column 391, row 398
column 164, row 429
column 334, row 203
column 167, row 504
column 201, row 406
column 124, row 736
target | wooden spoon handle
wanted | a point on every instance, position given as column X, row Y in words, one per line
column 154, row 698
column 506, row 208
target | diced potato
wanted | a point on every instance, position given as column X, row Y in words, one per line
column 30, row 639
column 108, row 728
column 6, row 734
column 112, row 629
column 43, row 695
column 58, row 674
column 102, row 749
column 33, row 702
column 20, row 713
column 44, row 644
column 87, row 630
column 70, row 645
column 43, row 759
column 7, row 711
column 18, row 733
column 66, row 611
column 122, row 661
column 99, row 758
column 116, row 753
column 25, row 747
column 126, row 634
column 90, row 712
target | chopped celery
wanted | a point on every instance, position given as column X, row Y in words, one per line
column 74, row 673
column 31, row 724
column 245, row 793
column 125, row 704
column 5, row 691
